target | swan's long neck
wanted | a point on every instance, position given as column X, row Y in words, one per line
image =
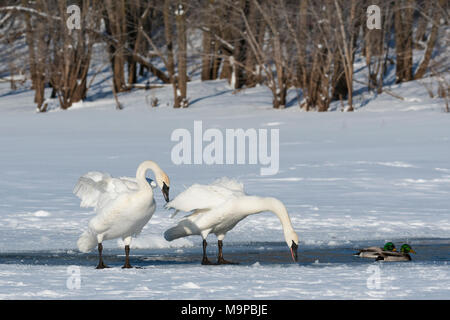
column 251, row 205
column 141, row 173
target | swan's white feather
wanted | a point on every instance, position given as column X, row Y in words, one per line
column 122, row 207
column 96, row 189
column 198, row 197
column 90, row 187
column 87, row 241
column 208, row 206
column 218, row 207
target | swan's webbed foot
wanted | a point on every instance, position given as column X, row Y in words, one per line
column 127, row 264
column 221, row 260
column 101, row 265
column 206, row 262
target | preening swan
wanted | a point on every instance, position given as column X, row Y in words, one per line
column 123, row 206
column 217, row 208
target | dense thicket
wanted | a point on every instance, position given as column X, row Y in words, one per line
column 310, row 45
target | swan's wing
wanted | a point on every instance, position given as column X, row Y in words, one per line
column 200, row 222
column 200, row 197
column 98, row 190
column 229, row 184
column 90, row 187
column 196, row 197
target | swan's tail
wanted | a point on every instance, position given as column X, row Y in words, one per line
column 176, row 232
column 87, row 241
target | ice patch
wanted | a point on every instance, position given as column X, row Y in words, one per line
column 396, row 164
column 142, row 288
column 292, row 179
column 273, row 124
column 413, row 100
column 48, row 294
column 325, row 179
column 189, row 285
column 41, row 213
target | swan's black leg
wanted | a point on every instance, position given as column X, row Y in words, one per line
column 127, row 264
column 205, row 260
column 220, row 259
column 101, row 265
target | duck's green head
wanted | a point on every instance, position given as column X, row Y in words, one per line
column 389, row 246
column 406, row 248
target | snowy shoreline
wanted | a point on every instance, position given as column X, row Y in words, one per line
column 344, row 178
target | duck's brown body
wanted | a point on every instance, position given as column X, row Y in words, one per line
column 393, row 256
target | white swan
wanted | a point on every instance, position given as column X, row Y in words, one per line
column 123, row 206
column 217, row 208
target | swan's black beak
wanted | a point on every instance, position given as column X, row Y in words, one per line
column 294, row 248
column 165, row 191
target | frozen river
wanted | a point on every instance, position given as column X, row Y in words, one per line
column 433, row 251
column 265, row 272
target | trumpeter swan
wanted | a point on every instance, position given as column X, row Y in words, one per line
column 217, row 208
column 123, row 206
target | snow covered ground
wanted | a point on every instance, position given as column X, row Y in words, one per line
column 380, row 173
column 401, row 281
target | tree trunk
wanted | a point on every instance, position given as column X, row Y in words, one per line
column 302, row 73
column 208, row 44
column 250, row 59
column 115, row 24
column 182, row 54
column 133, row 38
column 168, row 31
column 408, row 20
column 404, row 11
column 431, row 41
column 399, row 42
column 206, row 56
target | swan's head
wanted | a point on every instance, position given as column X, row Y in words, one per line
column 291, row 237
column 161, row 178
column 164, row 184
column 292, row 241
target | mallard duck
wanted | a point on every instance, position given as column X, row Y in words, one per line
column 403, row 255
column 374, row 252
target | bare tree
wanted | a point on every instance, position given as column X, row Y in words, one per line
column 403, row 13
column 309, row 45
column 180, row 13
column 437, row 9
column 115, row 23
column 271, row 56
column 346, row 43
column 208, row 42
column 376, row 47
